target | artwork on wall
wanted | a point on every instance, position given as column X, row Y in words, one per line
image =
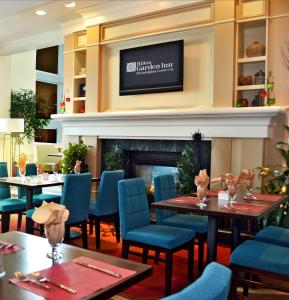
column 152, row 69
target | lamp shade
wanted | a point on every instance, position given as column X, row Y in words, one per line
column 16, row 125
column 11, row 125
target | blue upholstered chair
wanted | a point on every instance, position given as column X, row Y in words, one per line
column 274, row 235
column 266, row 261
column 164, row 188
column 137, row 230
column 8, row 205
column 75, row 197
column 106, row 202
column 214, row 284
column 38, row 196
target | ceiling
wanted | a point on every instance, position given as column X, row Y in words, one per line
column 21, row 29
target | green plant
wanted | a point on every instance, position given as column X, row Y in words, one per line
column 277, row 183
column 113, row 159
column 72, row 153
column 187, row 173
column 24, row 105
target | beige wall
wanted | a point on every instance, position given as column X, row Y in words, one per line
column 198, row 75
column 23, row 70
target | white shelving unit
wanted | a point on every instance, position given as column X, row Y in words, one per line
column 250, row 30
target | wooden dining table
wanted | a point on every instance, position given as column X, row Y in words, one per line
column 30, row 183
column 216, row 210
column 33, row 258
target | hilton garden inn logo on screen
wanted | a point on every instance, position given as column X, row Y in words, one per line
column 146, row 67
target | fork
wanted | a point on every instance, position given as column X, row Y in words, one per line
column 7, row 245
column 41, row 278
column 22, row 277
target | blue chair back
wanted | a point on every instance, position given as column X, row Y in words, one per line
column 76, row 195
column 4, row 189
column 214, row 284
column 107, row 194
column 164, row 188
column 31, row 170
column 133, row 205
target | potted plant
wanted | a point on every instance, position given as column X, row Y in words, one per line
column 73, row 153
column 113, row 159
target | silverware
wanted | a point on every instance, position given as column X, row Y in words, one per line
column 41, row 278
column 109, row 272
column 6, row 245
column 23, row 278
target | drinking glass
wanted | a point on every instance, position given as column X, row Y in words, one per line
column 55, row 236
column 202, row 195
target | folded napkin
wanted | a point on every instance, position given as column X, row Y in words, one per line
column 84, row 280
column 53, row 216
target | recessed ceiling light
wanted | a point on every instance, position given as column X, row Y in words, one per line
column 40, row 12
column 70, row 4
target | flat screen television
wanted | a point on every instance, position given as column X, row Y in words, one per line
column 152, row 69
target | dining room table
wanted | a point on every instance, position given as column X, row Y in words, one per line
column 29, row 256
column 252, row 209
column 30, row 183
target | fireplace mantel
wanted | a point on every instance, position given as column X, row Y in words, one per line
column 177, row 124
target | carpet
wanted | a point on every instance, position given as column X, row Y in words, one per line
column 152, row 287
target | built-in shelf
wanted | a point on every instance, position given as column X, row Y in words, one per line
column 251, row 59
column 79, row 99
column 251, row 87
column 79, row 76
column 82, row 49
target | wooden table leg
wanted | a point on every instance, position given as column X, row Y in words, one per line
column 236, row 230
column 29, row 205
column 212, row 239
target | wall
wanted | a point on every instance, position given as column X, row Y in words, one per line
column 198, row 70
column 23, row 76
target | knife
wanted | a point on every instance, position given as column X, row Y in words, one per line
column 112, row 273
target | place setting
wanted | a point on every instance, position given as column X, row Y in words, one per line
column 9, row 248
column 73, row 279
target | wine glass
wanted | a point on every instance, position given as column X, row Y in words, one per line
column 55, row 169
column 202, row 195
column 232, row 191
column 55, row 236
column 249, row 188
column 22, row 172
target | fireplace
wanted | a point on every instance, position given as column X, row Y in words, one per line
column 147, row 158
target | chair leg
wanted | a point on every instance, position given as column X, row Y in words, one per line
column 191, row 261
column 117, row 228
column 234, row 284
column 90, row 225
column 97, row 232
column 5, row 222
column 201, row 238
column 145, row 255
column 19, row 221
column 84, row 234
column 157, row 257
column 168, row 273
column 125, row 249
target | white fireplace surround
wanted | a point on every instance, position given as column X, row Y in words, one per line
column 174, row 124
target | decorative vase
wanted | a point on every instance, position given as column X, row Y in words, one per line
column 255, row 49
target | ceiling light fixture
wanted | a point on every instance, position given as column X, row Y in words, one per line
column 40, row 12
column 70, row 4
